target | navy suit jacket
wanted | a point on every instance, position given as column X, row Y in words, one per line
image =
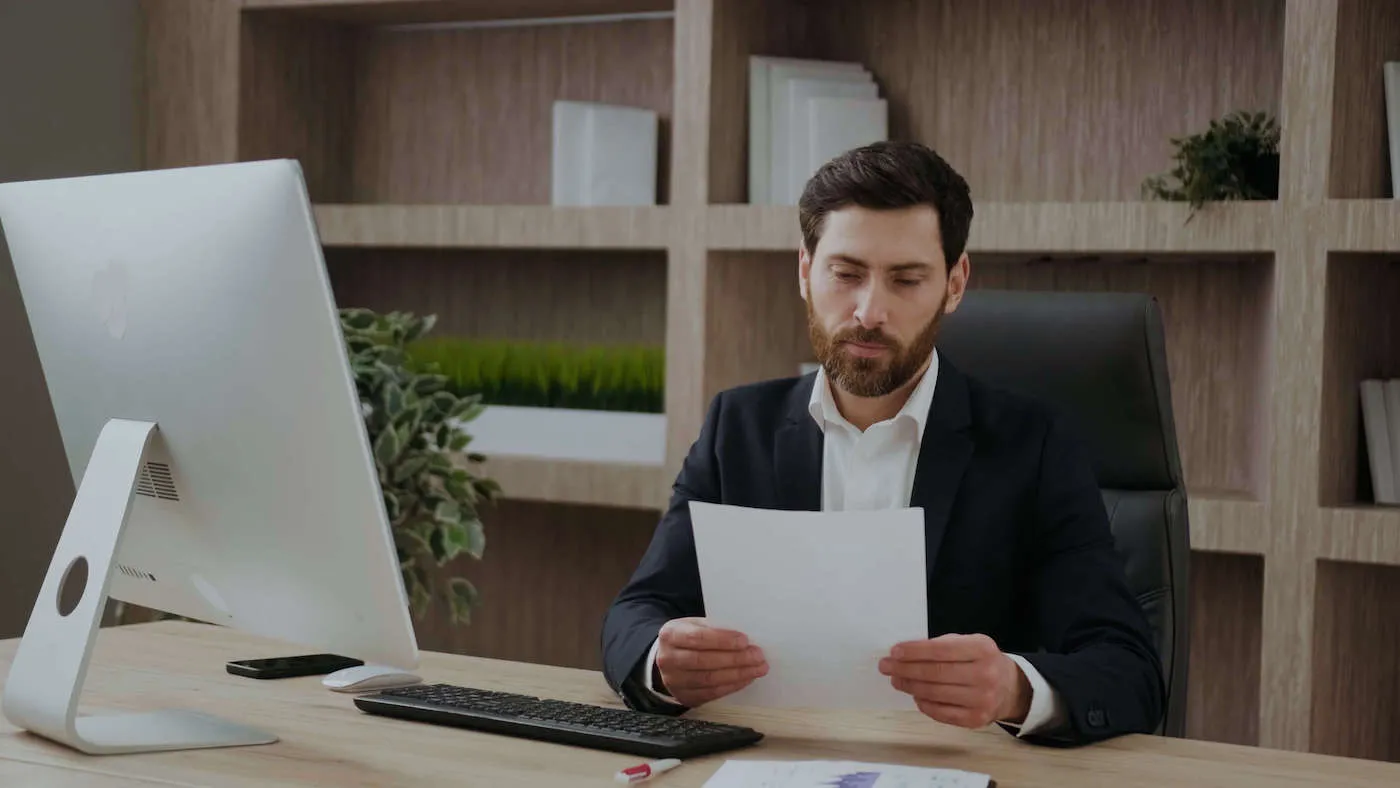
column 1017, row 538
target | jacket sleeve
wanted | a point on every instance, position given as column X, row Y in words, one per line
column 1098, row 651
column 666, row 583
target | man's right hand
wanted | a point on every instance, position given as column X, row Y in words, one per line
column 700, row 663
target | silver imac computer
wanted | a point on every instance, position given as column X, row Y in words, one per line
column 194, row 358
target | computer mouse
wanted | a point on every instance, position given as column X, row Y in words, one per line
column 365, row 678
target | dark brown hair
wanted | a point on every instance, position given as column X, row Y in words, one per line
column 889, row 175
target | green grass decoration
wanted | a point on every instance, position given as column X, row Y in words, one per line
column 549, row 374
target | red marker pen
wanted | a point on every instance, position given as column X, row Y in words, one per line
column 645, row 771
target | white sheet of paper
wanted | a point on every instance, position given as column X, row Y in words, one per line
column 842, row 774
column 824, row 594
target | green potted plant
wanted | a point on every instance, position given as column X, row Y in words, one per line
column 1236, row 158
column 432, row 494
column 558, row 400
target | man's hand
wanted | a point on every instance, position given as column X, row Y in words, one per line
column 961, row 680
column 700, row 663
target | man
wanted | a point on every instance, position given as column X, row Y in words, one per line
column 1031, row 624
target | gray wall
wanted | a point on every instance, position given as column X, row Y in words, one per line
column 70, row 104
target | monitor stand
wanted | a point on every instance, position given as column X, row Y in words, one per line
column 46, row 678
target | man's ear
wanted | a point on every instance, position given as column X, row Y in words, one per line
column 804, row 271
column 958, row 275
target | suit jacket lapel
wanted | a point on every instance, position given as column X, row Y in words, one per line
column 943, row 457
column 797, row 455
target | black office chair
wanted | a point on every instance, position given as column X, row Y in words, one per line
column 1100, row 360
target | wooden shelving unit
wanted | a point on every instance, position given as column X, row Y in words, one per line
column 493, row 227
column 426, row 149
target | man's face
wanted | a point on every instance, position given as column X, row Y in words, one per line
column 876, row 287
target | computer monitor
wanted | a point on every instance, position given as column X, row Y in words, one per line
column 193, row 354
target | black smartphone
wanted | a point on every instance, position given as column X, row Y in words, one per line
column 289, row 667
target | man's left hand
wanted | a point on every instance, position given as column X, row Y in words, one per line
column 962, row 680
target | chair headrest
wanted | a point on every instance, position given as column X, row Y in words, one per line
column 1098, row 359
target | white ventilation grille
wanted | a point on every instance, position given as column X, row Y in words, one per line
column 136, row 573
column 156, row 481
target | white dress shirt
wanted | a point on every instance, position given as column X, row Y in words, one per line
column 874, row 469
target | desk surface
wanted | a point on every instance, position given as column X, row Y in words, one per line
column 327, row 741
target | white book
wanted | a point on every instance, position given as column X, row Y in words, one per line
column 785, row 121
column 1392, row 422
column 760, row 112
column 1392, row 121
column 796, row 144
column 834, row 126
column 568, row 152
column 1377, row 431
column 603, row 154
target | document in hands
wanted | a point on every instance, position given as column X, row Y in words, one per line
column 825, row 595
column 842, row 774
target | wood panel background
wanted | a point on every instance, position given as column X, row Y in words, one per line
column 1362, row 336
column 297, row 98
column 1356, row 653
column 546, row 578
column 1102, row 83
column 549, row 295
column 191, row 82
column 1222, row 701
column 1368, row 35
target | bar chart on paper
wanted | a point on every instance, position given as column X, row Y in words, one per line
column 839, row 774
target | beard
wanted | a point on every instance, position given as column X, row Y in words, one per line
column 872, row 377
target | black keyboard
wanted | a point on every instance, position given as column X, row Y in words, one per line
column 562, row 722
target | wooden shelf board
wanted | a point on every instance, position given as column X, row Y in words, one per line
column 587, row 483
column 1363, row 225
column 1050, row 227
column 493, row 226
column 1227, row 523
column 1360, row 533
column 386, row 12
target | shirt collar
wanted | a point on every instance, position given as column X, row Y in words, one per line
column 822, row 406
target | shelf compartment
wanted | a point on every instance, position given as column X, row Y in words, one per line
column 1227, row 611
column 546, row 578
column 584, row 483
column 1043, row 227
column 604, row 297
column 401, row 12
column 1216, row 308
column 1356, row 637
column 437, row 114
column 1368, row 35
column 1103, row 85
column 1361, row 340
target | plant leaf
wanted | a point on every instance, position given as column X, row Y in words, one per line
column 387, row 447
column 462, row 599
column 474, row 541
column 409, row 468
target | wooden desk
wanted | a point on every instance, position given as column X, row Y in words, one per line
column 326, row 741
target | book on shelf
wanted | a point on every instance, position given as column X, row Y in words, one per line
column 783, row 151
column 1380, row 420
column 603, row 154
column 1391, row 78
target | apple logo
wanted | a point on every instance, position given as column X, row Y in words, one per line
column 109, row 297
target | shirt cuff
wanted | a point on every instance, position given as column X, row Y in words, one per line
column 1047, row 707
column 649, row 669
